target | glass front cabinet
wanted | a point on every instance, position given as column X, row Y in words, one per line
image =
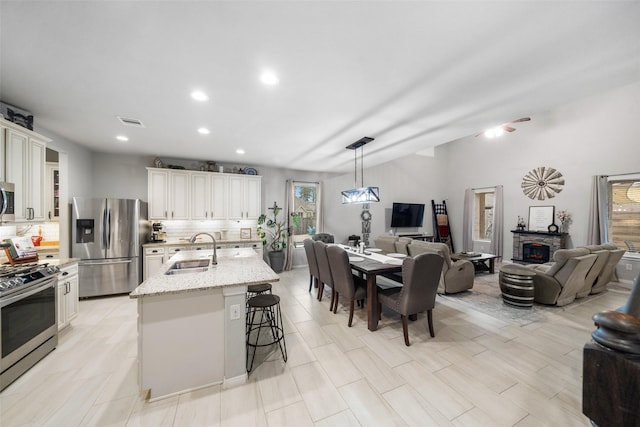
column 53, row 192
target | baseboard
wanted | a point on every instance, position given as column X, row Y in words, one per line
column 235, row 381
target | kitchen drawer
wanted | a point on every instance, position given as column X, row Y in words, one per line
column 154, row 251
column 172, row 250
column 69, row 270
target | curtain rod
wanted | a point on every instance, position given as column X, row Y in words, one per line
column 621, row 174
column 485, row 188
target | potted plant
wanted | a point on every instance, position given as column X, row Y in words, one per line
column 273, row 234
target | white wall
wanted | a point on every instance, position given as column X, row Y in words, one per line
column 411, row 179
column 597, row 135
column 80, row 173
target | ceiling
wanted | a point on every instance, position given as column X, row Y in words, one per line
column 411, row 74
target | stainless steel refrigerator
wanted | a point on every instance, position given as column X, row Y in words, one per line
column 106, row 235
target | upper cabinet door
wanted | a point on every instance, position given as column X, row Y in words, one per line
column 244, row 197
column 235, row 209
column 200, row 195
column 16, row 170
column 219, row 196
column 179, row 195
column 157, row 189
column 36, row 180
column 253, row 198
column 25, row 167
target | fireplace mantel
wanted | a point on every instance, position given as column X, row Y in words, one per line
column 555, row 241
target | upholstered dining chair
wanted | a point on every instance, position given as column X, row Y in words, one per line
column 324, row 270
column 420, row 278
column 314, row 275
column 323, row 237
column 346, row 284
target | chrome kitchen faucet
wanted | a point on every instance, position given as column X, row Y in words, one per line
column 214, row 258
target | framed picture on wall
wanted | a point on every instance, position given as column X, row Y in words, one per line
column 245, row 233
column 541, row 217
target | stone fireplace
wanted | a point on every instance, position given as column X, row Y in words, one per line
column 536, row 247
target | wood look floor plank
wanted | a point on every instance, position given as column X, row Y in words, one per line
column 317, row 390
column 476, row 366
column 368, row 406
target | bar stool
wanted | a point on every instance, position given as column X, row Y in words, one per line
column 253, row 290
column 268, row 305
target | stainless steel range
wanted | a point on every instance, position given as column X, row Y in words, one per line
column 28, row 317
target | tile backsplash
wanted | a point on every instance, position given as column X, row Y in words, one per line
column 179, row 230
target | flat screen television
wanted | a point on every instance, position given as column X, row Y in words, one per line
column 407, row 215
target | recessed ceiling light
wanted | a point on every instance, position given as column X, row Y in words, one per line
column 122, row 138
column 240, row 151
column 199, row 95
column 269, row 78
column 204, row 131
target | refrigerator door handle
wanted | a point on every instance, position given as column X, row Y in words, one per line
column 108, row 228
column 105, row 235
column 126, row 261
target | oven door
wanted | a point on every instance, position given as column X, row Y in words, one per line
column 27, row 319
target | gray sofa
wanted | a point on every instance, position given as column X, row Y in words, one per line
column 560, row 282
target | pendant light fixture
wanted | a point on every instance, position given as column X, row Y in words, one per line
column 362, row 194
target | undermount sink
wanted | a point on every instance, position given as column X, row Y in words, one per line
column 188, row 266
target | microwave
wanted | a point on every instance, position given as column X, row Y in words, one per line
column 7, row 201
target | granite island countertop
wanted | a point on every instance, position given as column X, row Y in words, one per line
column 236, row 266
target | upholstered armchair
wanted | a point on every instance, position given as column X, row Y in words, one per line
column 456, row 276
column 607, row 273
column 560, row 283
column 386, row 244
column 323, row 237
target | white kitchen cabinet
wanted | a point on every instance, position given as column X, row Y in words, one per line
column 208, row 196
column 158, row 193
column 244, row 197
column 179, row 189
column 68, row 296
column 219, row 196
column 152, row 263
column 200, row 195
column 25, row 167
column 183, row 195
column 168, row 192
column 52, row 195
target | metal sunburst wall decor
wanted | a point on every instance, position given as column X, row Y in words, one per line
column 542, row 183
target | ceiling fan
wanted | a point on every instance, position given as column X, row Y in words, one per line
column 499, row 130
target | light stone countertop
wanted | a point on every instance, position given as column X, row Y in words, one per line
column 60, row 262
column 236, row 266
column 198, row 243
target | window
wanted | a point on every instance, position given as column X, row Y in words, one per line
column 306, row 206
column 483, row 215
column 624, row 213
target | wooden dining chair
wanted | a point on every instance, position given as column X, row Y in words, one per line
column 309, row 250
column 324, row 271
column 420, row 277
column 346, row 284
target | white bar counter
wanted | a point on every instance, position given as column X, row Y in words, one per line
column 187, row 335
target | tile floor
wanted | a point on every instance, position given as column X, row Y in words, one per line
column 477, row 371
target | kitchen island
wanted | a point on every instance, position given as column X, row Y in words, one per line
column 191, row 325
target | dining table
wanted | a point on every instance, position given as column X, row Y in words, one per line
column 371, row 265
